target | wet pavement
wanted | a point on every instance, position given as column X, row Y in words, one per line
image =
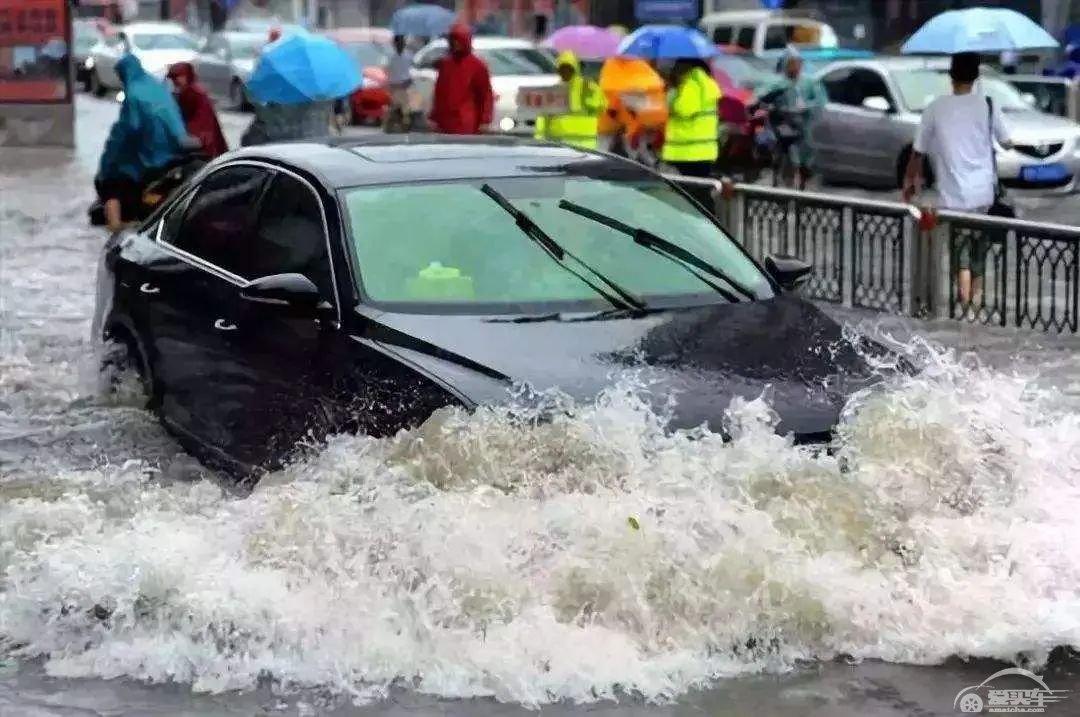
column 767, row 575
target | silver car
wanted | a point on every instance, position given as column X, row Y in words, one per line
column 225, row 63
column 875, row 105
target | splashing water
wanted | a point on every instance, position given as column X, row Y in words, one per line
column 588, row 556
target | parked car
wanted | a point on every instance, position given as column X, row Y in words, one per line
column 372, row 48
column 157, row 45
column 276, row 297
column 745, row 71
column 225, row 63
column 867, row 129
column 513, row 63
column 262, row 26
column 86, row 34
column 764, row 32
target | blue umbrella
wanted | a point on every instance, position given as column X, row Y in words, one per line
column 977, row 29
column 303, row 68
column 422, row 20
column 667, row 42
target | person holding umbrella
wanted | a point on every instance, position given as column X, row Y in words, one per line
column 957, row 131
column 294, row 86
column 692, row 132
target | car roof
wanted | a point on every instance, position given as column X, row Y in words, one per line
column 756, row 16
column 490, row 42
column 891, row 63
column 379, row 35
column 341, row 162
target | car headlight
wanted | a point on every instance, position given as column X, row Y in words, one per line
column 506, row 124
column 89, row 64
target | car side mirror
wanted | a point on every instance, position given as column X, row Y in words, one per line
column 877, row 104
column 789, row 272
column 290, row 292
column 1029, row 99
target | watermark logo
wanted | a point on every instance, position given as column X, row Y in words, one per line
column 985, row 698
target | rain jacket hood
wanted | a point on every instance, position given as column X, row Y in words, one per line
column 150, row 132
column 460, row 31
column 567, row 57
column 463, row 100
column 198, row 111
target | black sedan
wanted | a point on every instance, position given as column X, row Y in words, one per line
column 293, row 290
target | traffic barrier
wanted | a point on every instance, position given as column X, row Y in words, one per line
column 892, row 257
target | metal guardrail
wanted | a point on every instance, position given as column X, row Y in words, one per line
column 873, row 254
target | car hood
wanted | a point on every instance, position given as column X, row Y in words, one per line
column 1028, row 126
column 702, row 356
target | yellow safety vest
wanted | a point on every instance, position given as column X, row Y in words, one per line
column 692, row 132
column 580, row 126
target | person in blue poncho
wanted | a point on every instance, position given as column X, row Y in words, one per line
column 801, row 99
column 148, row 137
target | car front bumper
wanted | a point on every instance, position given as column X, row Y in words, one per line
column 1041, row 168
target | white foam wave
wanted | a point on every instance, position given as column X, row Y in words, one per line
column 574, row 559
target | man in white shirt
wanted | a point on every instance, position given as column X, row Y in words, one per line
column 956, row 133
column 404, row 109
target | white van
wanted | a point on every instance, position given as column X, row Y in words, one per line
column 765, row 32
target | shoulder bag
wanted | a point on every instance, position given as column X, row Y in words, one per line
column 1002, row 206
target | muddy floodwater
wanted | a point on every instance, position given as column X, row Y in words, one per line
column 482, row 566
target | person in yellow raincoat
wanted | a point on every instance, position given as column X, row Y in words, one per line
column 579, row 125
column 692, row 135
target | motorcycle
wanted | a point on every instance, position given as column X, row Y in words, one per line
column 160, row 187
column 775, row 129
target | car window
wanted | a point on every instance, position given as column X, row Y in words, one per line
column 721, row 35
column 776, row 37
column 218, row 225
column 164, row 41
column 836, row 86
column 920, row 87
column 852, row 86
column 465, row 253
column 368, row 54
column 427, row 59
column 290, row 235
column 517, row 61
column 745, row 38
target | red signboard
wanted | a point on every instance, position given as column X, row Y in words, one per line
column 34, row 51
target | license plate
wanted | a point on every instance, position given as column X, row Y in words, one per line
column 1044, row 173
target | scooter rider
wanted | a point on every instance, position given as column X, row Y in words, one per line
column 147, row 138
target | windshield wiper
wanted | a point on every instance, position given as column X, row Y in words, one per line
column 664, row 248
column 623, row 300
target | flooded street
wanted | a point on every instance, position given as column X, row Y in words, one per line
column 478, row 566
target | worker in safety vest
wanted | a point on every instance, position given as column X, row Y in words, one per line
column 579, row 126
column 692, row 133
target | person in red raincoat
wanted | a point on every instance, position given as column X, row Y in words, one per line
column 463, row 100
column 197, row 109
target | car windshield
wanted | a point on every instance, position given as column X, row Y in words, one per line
column 164, row 41
column 247, row 48
column 368, row 54
column 517, row 61
column 920, row 87
column 86, row 36
column 464, row 253
column 745, row 71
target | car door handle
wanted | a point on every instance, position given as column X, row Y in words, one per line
column 149, row 289
column 222, row 325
